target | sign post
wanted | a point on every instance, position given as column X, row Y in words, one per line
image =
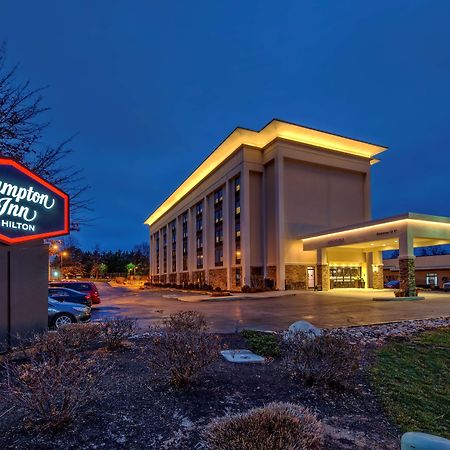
column 31, row 209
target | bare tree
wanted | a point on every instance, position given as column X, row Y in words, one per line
column 22, row 129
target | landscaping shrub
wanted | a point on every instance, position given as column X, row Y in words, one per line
column 277, row 426
column 182, row 347
column 52, row 384
column 263, row 344
column 329, row 358
column 115, row 331
column 218, row 289
column 79, row 335
column 245, row 289
column 120, row 280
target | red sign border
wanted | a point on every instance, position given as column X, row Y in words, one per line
column 53, row 188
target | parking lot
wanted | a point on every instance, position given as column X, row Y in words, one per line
column 323, row 309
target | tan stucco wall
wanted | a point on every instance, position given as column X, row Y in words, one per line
column 319, row 197
column 256, row 219
column 270, row 213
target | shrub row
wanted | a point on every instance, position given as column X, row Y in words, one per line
column 190, row 286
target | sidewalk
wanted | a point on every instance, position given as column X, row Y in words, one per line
column 232, row 296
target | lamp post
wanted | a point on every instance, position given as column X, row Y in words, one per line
column 61, row 265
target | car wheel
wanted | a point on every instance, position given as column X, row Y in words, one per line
column 63, row 319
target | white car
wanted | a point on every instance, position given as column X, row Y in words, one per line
column 446, row 286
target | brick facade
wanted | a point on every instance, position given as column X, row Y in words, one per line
column 173, row 278
column 218, row 278
column 296, row 276
column 272, row 275
column 198, row 277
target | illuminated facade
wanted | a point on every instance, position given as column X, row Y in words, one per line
column 236, row 220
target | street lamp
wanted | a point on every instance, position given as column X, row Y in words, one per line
column 61, row 265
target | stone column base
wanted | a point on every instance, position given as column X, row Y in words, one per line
column 407, row 268
column 323, row 277
column 378, row 276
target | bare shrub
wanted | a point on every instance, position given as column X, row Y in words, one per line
column 115, row 331
column 79, row 335
column 277, row 426
column 183, row 346
column 186, row 320
column 52, row 384
column 329, row 358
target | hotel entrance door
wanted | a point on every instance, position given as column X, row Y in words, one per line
column 311, row 277
column 345, row 277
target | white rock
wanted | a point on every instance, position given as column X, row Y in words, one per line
column 302, row 326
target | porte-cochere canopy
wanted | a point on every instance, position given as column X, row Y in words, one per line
column 366, row 241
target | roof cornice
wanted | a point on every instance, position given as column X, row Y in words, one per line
column 276, row 129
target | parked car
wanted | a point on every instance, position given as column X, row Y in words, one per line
column 446, row 286
column 393, row 284
column 69, row 295
column 63, row 313
column 80, row 286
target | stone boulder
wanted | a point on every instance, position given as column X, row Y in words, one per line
column 302, row 326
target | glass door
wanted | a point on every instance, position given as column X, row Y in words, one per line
column 345, row 277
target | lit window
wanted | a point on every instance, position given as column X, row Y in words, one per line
column 219, row 257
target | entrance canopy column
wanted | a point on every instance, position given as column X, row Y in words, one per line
column 375, row 267
column 407, row 265
column 323, row 270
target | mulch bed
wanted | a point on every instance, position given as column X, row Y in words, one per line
column 138, row 409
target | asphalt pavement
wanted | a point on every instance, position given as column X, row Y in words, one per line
column 323, row 309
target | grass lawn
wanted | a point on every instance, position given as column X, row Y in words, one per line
column 412, row 378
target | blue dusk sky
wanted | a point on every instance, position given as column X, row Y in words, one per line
column 152, row 87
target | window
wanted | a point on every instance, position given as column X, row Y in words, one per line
column 218, row 215
column 431, row 279
column 218, row 236
column 199, row 242
column 199, row 209
column 237, row 184
column 165, row 250
column 184, row 247
column 218, row 227
column 237, row 278
column 238, row 252
column 199, row 261
column 173, row 231
column 238, row 229
column 199, row 224
column 157, row 253
column 237, row 219
column 218, row 196
column 219, row 257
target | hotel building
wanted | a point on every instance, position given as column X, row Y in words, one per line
column 288, row 206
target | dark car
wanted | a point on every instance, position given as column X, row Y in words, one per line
column 80, row 286
column 64, row 313
column 393, row 284
column 69, row 295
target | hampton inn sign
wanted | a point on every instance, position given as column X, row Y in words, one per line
column 30, row 207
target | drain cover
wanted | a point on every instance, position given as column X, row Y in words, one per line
column 241, row 356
